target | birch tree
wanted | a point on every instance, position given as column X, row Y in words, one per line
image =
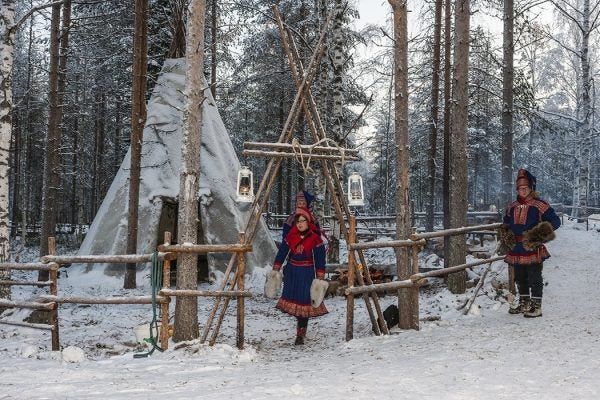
column 458, row 144
column 584, row 16
column 407, row 298
column 7, row 20
column 186, row 308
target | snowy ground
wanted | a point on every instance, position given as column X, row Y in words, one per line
column 487, row 354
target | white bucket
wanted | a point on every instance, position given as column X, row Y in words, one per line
column 143, row 332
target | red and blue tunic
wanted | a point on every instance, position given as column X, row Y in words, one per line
column 305, row 260
column 522, row 215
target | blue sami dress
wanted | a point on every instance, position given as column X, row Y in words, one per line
column 522, row 215
column 305, row 260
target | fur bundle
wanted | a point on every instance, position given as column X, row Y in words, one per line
column 273, row 284
column 538, row 235
column 318, row 288
column 507, row 239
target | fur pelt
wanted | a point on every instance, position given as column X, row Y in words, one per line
column 273, row 284
column 538, row 235
column 507, row 239
column 318, row 288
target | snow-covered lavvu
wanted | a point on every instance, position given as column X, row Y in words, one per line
column 486, row 354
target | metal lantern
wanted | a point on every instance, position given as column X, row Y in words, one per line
column 245, row 185
column 356, row 194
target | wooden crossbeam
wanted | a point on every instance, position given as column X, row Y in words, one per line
column 304, row 147
column 282, row 154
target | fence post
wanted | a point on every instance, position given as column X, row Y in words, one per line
column 414, row 290
column 240, row 300
column 54, row 291
column 164, row 308
column 351, row 269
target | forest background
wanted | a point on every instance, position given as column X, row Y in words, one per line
column 553, row 131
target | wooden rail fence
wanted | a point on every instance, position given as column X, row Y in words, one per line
column 416, row 280
column 166, row 254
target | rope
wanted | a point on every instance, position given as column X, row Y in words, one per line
column 300, row 155
column 156, row 282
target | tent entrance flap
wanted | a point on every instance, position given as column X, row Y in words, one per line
column 168, row 223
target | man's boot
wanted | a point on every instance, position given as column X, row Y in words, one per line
column 536, row 308
column 300, row 333
column 524, row 305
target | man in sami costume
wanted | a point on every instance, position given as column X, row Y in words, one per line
column 529, row 222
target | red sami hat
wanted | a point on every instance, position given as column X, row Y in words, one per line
column 305, row 212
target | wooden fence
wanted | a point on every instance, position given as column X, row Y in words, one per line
column 167, row 252
column 52, row 307
column 416, row 242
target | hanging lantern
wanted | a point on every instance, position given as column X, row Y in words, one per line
column 356, row 194
column 245, row 186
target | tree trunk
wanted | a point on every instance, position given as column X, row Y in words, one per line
column 407, row 298
column 435, row 93
column 447, row 127
column 186, row 308
column 7, row 20
column 586, row 128
column 138, row 120
column 458, row 145
column 53, row 137
column 507, row 100
column 213, row 49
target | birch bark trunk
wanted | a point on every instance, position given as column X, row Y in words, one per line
column 7, row 20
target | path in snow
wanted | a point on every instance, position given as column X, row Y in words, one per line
column 487, row 354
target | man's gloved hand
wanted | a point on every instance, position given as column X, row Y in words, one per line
column 507, row 239
column 538, row 235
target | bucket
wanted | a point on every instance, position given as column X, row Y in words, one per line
column 143, row 332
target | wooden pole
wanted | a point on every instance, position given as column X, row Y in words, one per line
column 240, row 300
column 389, row 243
column 312, row 156
column 205, row 293
column 97, row 259
column 272, row 169
column 446, row 271
column 305, row 148
column 451, row 232
column 54, row 291
column 104, row 300
column 206, row 248
column 33, row 305
column 26, row 266
column 414, row 291
column 351, row 269
column 164, row 307
column 318, row 132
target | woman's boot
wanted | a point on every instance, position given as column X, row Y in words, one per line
column 300, row 334
column 301, row 331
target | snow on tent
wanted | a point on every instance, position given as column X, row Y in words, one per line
column 221, row 218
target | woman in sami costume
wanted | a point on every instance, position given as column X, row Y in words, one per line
column 304, row 251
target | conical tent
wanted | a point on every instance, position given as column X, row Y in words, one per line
column 221, row 217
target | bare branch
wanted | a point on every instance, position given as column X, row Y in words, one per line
column 20, row 22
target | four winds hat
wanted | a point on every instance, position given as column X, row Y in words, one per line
column 524, row 178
